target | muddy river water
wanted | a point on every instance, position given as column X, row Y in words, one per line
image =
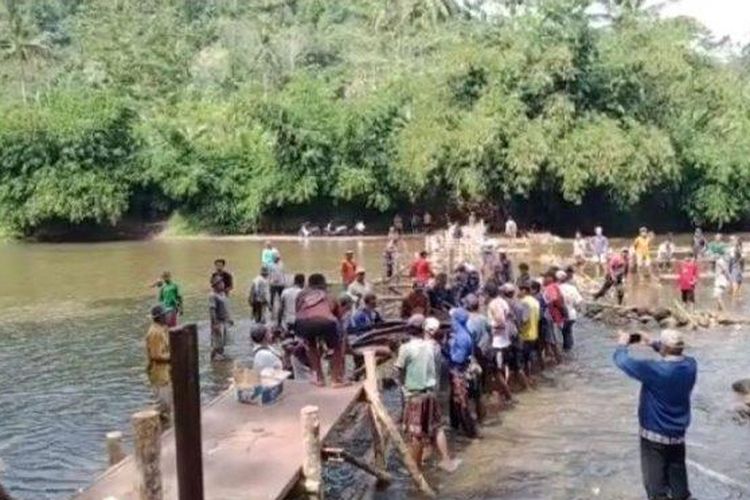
column 73, row 317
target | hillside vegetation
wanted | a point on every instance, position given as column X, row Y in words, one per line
column 226, row 110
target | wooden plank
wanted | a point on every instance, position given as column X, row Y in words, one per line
column 249, row 452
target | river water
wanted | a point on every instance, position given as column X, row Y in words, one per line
column 73, row 317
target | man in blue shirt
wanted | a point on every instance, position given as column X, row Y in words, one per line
column 663, row 412
column 367, row 317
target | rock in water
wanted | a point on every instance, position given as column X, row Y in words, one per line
column 668, row 323
column 661, row 313
column 742, row 386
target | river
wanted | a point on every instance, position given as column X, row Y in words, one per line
column 73, row 317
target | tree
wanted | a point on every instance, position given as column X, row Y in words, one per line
column 20, row 42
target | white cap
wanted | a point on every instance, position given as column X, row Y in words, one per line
column 361, row 270
column 561, row 275
column 672, row 338
column 431, row 325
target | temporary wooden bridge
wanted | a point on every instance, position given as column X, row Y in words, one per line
column 237, row 451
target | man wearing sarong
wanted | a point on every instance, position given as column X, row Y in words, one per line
column 422, row 422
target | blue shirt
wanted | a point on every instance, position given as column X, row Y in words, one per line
column 364, row 320
column 460, row 345
column 666, row 385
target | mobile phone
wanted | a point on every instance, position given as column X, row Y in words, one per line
column 635, row 338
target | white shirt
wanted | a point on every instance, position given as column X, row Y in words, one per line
column 497, row 313
column 572, row 298
column 579, row 247
column 289, row 304
column 665, row 251
column 265, row 358
column 721, row 279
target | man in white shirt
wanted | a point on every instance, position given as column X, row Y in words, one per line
column 511, row 228
column 263, row 355
column 288, row 309
column 359, row 287
column 573, row 300
column 497, row 313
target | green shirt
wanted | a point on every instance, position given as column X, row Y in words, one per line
column 169, row 296
column 417, row 359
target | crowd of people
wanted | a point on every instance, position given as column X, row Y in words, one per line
column 725, row 256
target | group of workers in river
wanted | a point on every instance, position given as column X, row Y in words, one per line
column 474, row 334
column 726, row 257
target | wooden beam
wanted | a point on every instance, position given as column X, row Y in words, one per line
column 147, row 451
column 312, row 467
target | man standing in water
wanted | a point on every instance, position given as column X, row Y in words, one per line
column 418, row 375
column 348, row 269
column 617, row 268
column 157, row 353
column 218, row 309
column 663, row 412
column 641, row 248
column 170, row 298
column 600, row 249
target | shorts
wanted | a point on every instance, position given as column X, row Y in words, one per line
column 170, row 318
column 163, row 396
column 422, row 419
column 642, row 260
column 218, row 335
column 688, row 296
column 600, row 258
column 510, row 357
column 553, row 334
column 318, row 329
column 527, row 352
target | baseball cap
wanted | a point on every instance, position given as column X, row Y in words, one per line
column 561, row 275
column 415, row 321
column 672, row 338
column 431, row 325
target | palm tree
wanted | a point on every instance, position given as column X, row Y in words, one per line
column 406, row 12
column 19, row 41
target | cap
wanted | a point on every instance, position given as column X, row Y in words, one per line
column 416, row 321
column 361, row 270
column 349, row 252
column 672, row 338
column 508, row 287
column 561, row 275
column 431, row 325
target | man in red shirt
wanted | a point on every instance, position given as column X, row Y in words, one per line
column 553, row 297
column 348, row 268
column 687, row 278
column 421, row 270
column 617, row 268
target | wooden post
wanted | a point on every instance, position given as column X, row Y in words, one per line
column 312, row 467
column 147, row 451
column 379, row 444
column 380, row 413
column 183, row 348
column 114, row 448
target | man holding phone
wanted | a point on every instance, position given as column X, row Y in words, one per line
column 663, row 411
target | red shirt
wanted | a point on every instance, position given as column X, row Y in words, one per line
column 617, row 265
column 421, row 271
column 688, row 275
column 555, row 302
column 348, row 271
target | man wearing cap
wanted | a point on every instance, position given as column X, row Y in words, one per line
column 157, row 354
column 663, row 411
column 418, row 376
column 348, row 269
column 359, row 287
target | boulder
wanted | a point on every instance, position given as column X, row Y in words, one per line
column 668, row 322
column 661, row 313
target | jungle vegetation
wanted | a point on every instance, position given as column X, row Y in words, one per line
column 228, row 110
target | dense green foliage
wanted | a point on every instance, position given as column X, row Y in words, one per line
column 226, row 110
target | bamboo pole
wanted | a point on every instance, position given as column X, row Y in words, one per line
column 114, row 448
column 379, row 444
column 339, row 454
column 381, row 413
column 312, row 467
column 147, row 451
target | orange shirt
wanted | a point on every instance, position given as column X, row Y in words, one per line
column 348, row 271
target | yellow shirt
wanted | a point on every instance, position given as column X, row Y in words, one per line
column 157, row 354
column 530, row 330
column 641, row 246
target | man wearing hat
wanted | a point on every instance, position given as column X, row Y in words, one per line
column 663, row 411
column 359, row 287
column 157, row 355
column 418, row 376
